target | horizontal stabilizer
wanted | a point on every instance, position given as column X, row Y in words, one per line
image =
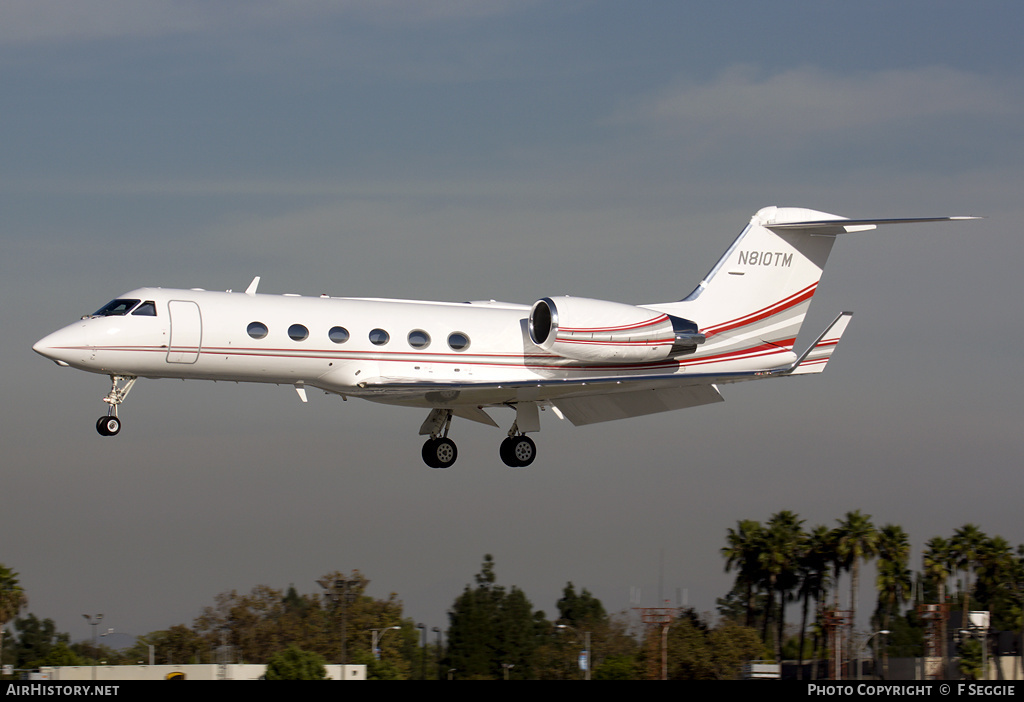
column 836, row 226
column 815, row 357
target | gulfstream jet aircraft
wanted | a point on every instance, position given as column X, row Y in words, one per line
column 587, row 360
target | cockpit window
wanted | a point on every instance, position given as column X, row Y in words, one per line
column 146, row 309
column 116, row 308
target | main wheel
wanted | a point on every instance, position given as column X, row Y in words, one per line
column 517, row 451
column 108, row 426
column 439, row 453
column 524, row 450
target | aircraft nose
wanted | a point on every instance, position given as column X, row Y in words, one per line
column 63, row 346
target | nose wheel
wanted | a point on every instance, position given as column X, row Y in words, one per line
column 110, row 425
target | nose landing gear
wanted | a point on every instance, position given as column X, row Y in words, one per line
column 110, row 425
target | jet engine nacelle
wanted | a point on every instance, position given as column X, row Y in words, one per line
column 599, row 331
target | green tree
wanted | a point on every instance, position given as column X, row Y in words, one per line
column 698, row 652
column 12, row 599
column 813, row 566
column 937, row 562
column 858, row 541
column 579, row 610
column 966, row 544
column 176, row 645
column 34, row 641
column 743, row 554
column 781, row 546
column 295, row 664
column 491, row 629
column 894, row 580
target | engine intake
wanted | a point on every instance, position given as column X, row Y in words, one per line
column 599, row 331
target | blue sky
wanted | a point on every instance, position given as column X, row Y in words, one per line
column 506, row 150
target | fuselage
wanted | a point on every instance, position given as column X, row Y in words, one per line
column 336, row 344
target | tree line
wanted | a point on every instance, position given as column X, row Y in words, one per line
column 781, row 562
column 494, row 632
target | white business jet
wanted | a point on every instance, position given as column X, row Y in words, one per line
column 587, row 360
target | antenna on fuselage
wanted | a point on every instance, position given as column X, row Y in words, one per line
column 251, row 290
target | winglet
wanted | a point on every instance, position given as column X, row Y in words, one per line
column 251, row 290
column 817, row 355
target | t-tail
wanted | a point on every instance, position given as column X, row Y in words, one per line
column 754, row 301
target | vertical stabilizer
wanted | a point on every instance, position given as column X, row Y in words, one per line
column 759, row 291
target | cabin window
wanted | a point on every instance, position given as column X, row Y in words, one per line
column 297, row 332
column 115, row 308
column 458, row 341
column 419, row 339
column 338, row 335
column 257, row 330
column 146, row 309
column 379, row 337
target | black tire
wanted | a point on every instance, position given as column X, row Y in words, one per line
column 506, row 451
column 108, row 426
column 429, row 454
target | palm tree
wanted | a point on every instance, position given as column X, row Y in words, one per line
column 813, row 566
column 858, row 541
column 742, row 555
column 781, row 545
column 894, row 580
column 967, row 544
column 937, row 568
column 12, row 599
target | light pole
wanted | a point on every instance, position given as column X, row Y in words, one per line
column 423, row 652
column 437, row 630
column 584, row 660
column 93, row 620
column 860, row 648
column 378, row 634
column 341, row 592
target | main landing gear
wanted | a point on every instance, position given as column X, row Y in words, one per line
column 110, row 425
column 439, row 451
column 517, row 450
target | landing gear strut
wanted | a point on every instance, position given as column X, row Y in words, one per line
column 110, row 425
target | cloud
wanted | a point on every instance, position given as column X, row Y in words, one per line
column 812, row 102
column 36, row 21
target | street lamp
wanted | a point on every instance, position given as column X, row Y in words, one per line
column 93, row 620
column 341, row 592
column 865, row 643
column 437, row 630
column 584, row 660
column 378, row 634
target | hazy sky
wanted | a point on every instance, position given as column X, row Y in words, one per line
column 510, row 150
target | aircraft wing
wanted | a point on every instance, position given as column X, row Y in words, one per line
column 580, row 401
column 593, row 400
